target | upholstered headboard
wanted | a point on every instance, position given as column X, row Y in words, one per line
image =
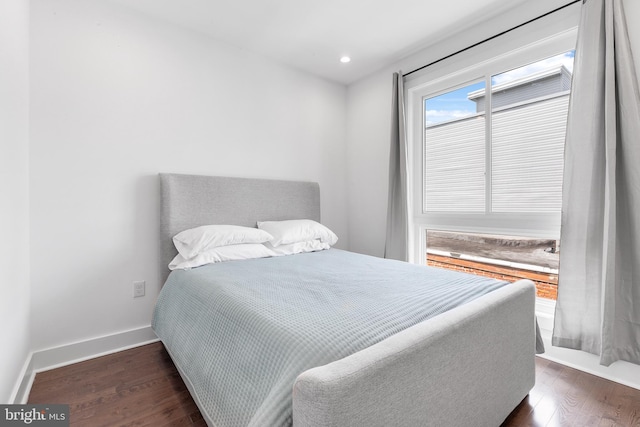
column 189, row 201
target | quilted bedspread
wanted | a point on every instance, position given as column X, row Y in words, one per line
column 240, row 332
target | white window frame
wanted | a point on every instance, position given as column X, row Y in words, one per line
column 480, row 64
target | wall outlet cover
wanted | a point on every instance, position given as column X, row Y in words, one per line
column 138, row 288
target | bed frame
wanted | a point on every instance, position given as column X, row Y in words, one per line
column 470, row 366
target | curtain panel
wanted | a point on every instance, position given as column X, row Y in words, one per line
column 396, row 244
column 598, row 307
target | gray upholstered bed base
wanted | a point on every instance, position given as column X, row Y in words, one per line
column 470, row 366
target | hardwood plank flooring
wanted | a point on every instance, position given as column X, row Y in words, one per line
column 564, row 396
column 141, row 387
column 134, row 387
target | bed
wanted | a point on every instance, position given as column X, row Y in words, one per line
column 438, row 366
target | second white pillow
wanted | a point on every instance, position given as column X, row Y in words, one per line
column 297, row 230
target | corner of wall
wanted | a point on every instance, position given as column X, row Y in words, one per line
column 14, row 187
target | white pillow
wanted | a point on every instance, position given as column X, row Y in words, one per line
column 194, row 241
column 221, row 254
column 297, row 230
column 298, row 247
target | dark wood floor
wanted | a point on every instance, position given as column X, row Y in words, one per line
column 142, row 387
column 137, row 387
column 564, row 396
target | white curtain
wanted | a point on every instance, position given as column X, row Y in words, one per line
column 396, row 246
column 598, row 307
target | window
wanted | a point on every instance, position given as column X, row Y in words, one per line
column 507, row 258
column 507, row 159
column 488, row 142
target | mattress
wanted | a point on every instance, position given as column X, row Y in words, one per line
column 240, row 332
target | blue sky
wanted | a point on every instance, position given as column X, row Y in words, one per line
column 451, row 105
column 455, row 105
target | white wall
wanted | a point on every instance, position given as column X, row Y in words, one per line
column 117, row 98
column 14, row 190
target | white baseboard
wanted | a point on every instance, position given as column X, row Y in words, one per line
column 51, row 358
column 621, row 372
column 25, row 380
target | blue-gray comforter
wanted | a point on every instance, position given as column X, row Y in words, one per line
column 241, row 332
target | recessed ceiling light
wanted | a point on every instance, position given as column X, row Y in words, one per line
column 345, row 59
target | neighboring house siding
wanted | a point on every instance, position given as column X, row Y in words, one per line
column 566, row 82
column 536, row 89
column 527, row 156
column 454, row 165
column 543, row 83
column 527, row 153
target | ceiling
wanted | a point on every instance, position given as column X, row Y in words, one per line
column 312, row 35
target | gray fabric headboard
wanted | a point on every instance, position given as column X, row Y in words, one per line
column 189, row 201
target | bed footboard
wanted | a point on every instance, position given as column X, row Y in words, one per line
column 470, row 366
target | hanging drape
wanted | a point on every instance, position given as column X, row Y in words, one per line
column 598, row 307
column 396, row 245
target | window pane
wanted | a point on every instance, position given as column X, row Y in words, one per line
column 529, row 106
column 507, row 258
column 454, row 153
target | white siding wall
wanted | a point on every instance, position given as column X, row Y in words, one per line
column 454, row 166
column 527, row 156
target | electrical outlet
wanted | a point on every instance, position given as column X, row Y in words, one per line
column 138, row 289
